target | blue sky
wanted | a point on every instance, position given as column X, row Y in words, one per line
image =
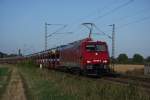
column 22, row 23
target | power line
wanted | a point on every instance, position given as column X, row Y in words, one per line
column 103, row 32
column 99, row 9
column 134, row 14
column 111, row 11
column 133, row 22
column 87, row 16
column 46, row 34
column 106, row 6
column 57, row 30
column 115, row 9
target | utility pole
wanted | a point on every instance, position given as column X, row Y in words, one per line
column 113, row 41
column 19, row 52
column 56, row 32
column 46, row 35
column 113, row 44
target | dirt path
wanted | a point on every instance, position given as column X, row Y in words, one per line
column 14, row 90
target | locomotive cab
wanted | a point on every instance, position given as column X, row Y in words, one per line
column 95, row 57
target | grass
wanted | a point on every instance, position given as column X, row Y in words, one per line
column 43, row 84
column 4, row 78
column 3, row 71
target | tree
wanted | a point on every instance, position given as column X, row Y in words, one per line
column 148, row 59
column 122, row 58
column 2, row 55
column 137, row 59
column 12, row 55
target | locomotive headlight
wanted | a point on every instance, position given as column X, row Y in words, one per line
column 104, row 61
column 88, row 61
column 95, row 60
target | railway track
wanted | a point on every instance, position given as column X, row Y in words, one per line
column 139, row 82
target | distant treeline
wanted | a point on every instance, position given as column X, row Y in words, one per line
column 136, row 59
column 3, row 55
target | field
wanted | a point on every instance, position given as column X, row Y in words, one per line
column 44, row 84
column 129, row 68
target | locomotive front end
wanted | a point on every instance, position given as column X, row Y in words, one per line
column 95, row 58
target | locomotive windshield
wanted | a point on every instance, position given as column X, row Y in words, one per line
column 95, row 47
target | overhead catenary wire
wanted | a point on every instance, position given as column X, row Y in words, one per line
column 109, row 12
column 129, row 16
column 102, row 32
column 122, row 26
column 137, row 13
column 133, row 22
column 64, row 26
column 92, row 13
column 134, row 14
column 114, row 10
column 105, row 14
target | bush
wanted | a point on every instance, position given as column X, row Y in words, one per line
column 122, row 59
column 137, row 59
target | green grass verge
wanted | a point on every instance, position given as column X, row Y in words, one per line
column 4, row 78
column 43, row 84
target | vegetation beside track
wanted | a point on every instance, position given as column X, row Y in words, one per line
column 44, row 84
column 4, row 78
column 129, row 68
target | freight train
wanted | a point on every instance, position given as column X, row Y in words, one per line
column 83, row 56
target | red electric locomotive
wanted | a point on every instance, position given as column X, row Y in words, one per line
column 88, row 56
